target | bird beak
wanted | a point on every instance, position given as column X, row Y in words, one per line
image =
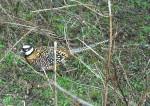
column 21, row 53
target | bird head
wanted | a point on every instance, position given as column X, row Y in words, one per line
column 26, row 50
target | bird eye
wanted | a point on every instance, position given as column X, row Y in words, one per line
column 26, row 50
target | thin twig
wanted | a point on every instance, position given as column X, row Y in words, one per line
column 124, row 98
column 88, row 47
column 109, row 56
column 100, row 14
column 55, row 73
column 71, row 95
column 146, row 68
column 57, row 8
column 29, row 27
column 6, row 13
column 102, row 58
column 66, row 39
column 124, row 72
column 24, row 103
column 143, row 98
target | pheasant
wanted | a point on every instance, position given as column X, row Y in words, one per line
column 43, row 57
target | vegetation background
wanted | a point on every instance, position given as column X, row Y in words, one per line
column 41, row 22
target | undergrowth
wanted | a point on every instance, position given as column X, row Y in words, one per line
column 83, row 74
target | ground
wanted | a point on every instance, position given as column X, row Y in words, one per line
column 73, row 23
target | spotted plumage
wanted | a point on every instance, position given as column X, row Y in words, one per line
column 43, row 57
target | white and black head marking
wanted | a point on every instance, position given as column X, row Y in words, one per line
column 27, row 49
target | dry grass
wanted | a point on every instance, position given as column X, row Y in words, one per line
column 111, row 73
